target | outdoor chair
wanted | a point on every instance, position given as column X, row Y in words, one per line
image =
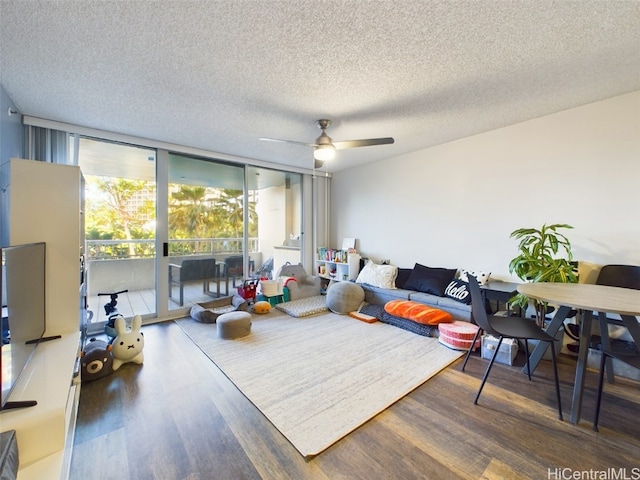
column 195, row 270
column 233, row 270
column 508, row 327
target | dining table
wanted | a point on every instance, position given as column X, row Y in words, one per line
column 587, row 299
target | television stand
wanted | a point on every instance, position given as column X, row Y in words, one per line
column 19, row 404
column 45, row 431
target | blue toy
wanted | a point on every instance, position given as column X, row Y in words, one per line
column 96, row 360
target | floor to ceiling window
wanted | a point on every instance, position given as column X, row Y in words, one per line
column 208, row 208
column 279, row 208
column 206, row 220
column 120, row 226
column 147, row 211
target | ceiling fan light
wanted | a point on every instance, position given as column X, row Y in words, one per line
column 324, row 152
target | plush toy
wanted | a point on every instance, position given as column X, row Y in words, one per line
column 128, row 344
column 96, row 360
column 296, row 271
column 262, row 307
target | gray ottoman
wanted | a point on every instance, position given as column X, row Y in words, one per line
column 234, row 325
column 344, row 297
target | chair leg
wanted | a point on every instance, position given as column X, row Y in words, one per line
column 596, row 416
column 557, row 380
column 466, row 357
column 486, row 373
column 606, row 344
column 526, row 353
column 181, row 295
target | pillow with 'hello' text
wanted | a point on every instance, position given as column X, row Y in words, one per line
column 458, row 290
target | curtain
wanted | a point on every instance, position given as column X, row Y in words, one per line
column 48, row 145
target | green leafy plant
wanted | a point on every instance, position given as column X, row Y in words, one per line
column 544, row 256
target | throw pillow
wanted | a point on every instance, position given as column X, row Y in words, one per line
column 403, row 275
column 481, row 277
column 418, row 312
column 458, row 290
column 429, row 280
column 381, row 276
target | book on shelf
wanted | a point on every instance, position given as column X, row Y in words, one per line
column 334, row 255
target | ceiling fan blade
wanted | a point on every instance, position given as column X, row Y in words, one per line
column 362, row 143
column 318, row 164
column 287, row 141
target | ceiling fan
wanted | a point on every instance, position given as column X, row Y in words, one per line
column 325, row 148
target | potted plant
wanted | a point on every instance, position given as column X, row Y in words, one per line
column 544, row 256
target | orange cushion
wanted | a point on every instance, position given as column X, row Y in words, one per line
column 418, row 312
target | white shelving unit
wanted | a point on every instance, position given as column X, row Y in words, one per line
column 44, row 204
column 339, row 271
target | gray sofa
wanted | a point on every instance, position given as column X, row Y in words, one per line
column 380, row 296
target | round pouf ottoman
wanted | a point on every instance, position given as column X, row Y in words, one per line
column 234, row 325
column 344, row 297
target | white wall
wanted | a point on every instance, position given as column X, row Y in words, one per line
column 454, row 205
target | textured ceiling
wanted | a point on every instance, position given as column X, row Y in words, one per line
column 217, row 75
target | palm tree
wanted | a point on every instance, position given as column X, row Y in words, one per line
column 230, row 204
column 190, row 212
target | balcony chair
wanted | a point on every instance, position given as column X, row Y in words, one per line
column 508, row 327
column 233, row 270
column 624, row 276
column 194, row 270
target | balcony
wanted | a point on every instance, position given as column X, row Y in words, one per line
column 116, row 265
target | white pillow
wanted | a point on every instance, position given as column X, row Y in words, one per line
column 481, row 277
column 381, row 276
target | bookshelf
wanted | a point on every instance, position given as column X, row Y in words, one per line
column 337, row 265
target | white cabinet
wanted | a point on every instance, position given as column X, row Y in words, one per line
column 341, row 268
column 43, row 203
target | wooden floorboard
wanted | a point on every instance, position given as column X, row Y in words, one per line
column 179, row 417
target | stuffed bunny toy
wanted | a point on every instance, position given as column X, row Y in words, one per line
column 128, row 344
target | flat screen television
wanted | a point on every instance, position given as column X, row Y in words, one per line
column 23, row 313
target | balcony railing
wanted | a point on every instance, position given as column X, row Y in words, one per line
column 146, row 248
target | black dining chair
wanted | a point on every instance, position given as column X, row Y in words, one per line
column 623, row 276
column 509, row 327
column 626, row 352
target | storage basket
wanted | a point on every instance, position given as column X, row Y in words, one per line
column 271, row 288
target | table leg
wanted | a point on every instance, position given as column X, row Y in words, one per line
column 555, row 325
column 581, row 367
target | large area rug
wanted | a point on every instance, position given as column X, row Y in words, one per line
column 318, row 378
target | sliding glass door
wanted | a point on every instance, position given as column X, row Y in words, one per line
column 221, row 233
column 120, row 227
column 277, row 196
column 165, row 230
column 206, row 220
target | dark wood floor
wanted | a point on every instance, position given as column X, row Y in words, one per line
column 178, row 417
